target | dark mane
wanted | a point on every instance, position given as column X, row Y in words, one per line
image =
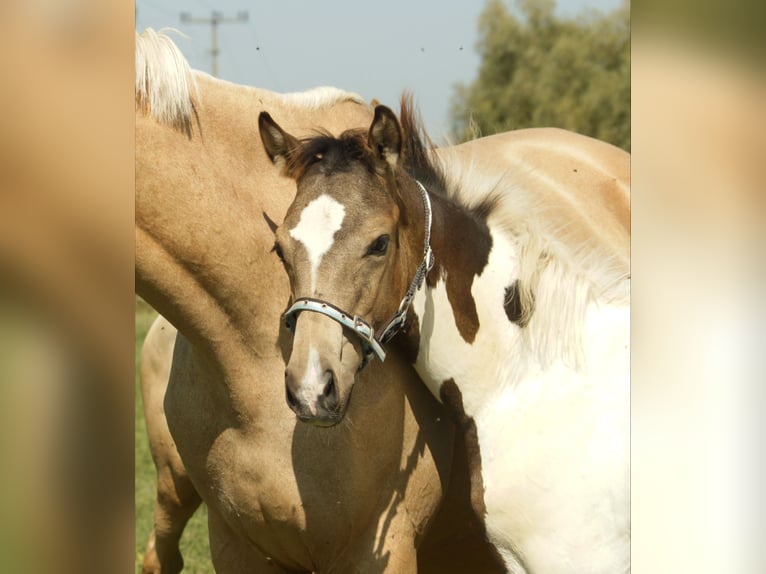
column 417, row 149
column 340, row 154
column 332, row 154
column 417, row 153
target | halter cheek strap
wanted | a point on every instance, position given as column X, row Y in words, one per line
column 372, row 344
column 396, row 322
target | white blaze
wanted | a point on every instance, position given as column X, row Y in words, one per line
column 311, row 381
column 316, row 228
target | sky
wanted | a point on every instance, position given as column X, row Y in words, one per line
column 376, row 49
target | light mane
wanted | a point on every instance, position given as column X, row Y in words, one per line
column 321, row 97
column 559, row 274
column 164, row 82
column 167, row 87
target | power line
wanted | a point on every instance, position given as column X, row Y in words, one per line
column 215, row 19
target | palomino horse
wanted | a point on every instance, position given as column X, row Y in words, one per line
column 377, row 493
column 522, row 329
column 177, row 498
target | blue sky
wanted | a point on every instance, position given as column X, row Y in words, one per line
column 377, row 49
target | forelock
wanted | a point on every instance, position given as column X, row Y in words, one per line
column 332, row 154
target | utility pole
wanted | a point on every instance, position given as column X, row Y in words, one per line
column 215, row 19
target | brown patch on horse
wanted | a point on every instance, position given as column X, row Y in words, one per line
column 466, row 260
column 512, row 306
column 453, row 399
column 450, row 248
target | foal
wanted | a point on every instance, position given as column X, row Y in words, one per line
column 520, row 330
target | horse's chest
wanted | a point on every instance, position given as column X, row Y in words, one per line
column 551, row 446
column 555, row 465
column 444, row 353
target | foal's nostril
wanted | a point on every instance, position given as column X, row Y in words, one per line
column 292, row 400
column 330, row 392
column 329, row 388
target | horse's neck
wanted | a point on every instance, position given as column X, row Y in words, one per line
column 468, row 332
column 202, row 242
column 462, row 326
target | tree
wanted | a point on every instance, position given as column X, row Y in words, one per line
column 542, row 70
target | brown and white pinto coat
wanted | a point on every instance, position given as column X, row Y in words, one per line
column 522, row 328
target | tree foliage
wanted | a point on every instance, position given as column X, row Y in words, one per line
column 538, row 69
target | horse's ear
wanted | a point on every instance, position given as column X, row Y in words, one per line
column 278, row 143
column 385, row 137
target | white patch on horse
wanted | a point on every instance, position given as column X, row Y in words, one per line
column 444, row 354
column 316, row 229
column 553, row 439
column 311, row 380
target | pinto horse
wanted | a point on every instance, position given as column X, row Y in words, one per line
column 512, row 309
column 384, row 492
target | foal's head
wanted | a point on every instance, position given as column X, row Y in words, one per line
column 343, row 246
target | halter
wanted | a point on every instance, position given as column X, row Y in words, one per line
column 372, row 343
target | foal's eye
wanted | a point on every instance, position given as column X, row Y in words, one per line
column 379, row 246
column 278, row 250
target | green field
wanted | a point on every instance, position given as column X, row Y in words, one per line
column 194, row 544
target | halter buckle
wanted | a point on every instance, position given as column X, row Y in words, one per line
column 394, row 325
column 362, row 328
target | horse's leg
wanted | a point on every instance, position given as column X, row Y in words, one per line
column 176, row 502
column 177, row 498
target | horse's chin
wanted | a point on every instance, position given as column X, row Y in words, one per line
column 333, row 418
column 321, row 422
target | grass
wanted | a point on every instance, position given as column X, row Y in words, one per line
column 194, row 543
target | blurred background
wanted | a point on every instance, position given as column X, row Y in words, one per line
column 691, row 117
column 464, row 61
